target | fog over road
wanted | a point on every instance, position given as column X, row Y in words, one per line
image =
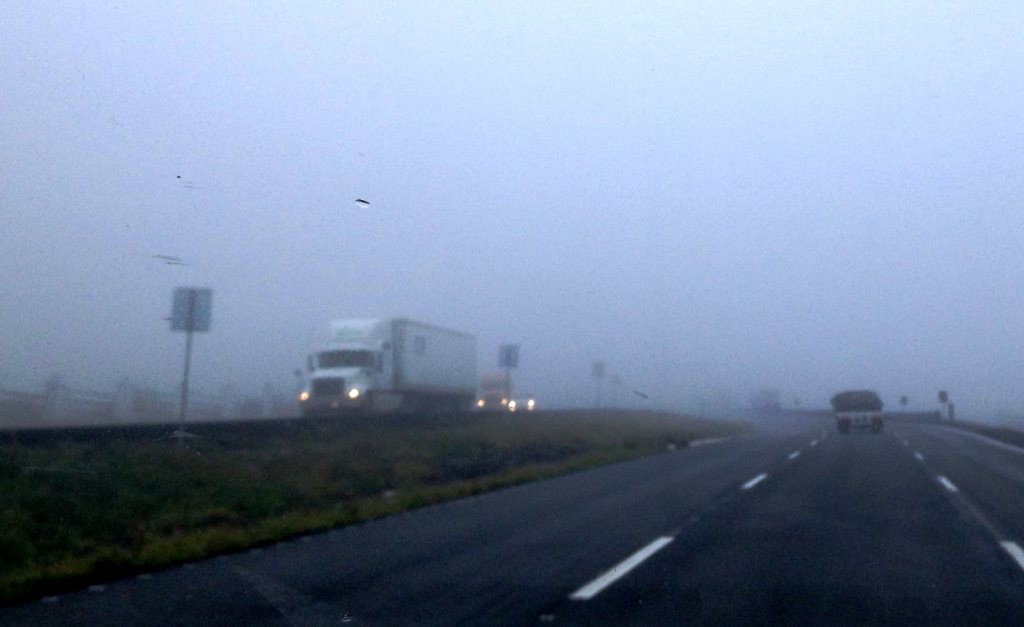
column 794, row 524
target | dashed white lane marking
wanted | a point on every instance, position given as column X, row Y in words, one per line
column 296, row 607
column 97, row 588
column 49, row 599
column 814, row 443
column 905, row 443
column 753, row 482
column 620, row 570
column 949, row 485
column 919, row 456
column 794, row 455
column 706, row 441
column 1015, row 551
column 145, row 576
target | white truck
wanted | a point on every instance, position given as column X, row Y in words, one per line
column 390, row 365
column 858, row 409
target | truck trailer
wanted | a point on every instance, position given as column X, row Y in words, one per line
column 858, row 409
column 389, row 365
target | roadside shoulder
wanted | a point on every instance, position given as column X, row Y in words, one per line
column 1003, row 437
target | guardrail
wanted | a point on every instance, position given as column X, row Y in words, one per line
column 61, row 406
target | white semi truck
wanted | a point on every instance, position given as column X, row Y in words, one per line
column 390, row 365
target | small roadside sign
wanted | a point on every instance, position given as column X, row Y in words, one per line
column 508, row 356
column 191, row 310
column 190, row 313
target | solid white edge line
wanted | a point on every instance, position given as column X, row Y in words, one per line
column 794, row 455
column 753, row 482
column 620, row 570
column 949, row 485
column 919, row 456
column 1015, row 551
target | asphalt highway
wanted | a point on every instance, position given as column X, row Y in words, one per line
column 796, row 524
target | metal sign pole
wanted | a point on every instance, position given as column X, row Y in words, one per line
column 597, row 370
column 189, row 326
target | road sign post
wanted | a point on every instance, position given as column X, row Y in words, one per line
column 597, row 371
column 190, row 313
column 508, row 358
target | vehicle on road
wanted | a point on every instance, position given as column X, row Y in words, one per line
column 496, row 395
column 858, row 409
column 390, row 365
column 522, row 404
column 494, row 392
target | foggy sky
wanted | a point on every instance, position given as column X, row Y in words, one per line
column 708, row 196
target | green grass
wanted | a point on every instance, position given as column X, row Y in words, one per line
column 75, row 512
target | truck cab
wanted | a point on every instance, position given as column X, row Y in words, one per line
column 858, row 409
column 347, row 370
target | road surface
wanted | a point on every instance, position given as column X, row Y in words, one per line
column 922, row 524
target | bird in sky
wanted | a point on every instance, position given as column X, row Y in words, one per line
column 641, row 394
column 362, row 202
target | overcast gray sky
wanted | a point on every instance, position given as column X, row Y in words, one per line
column 709, row 196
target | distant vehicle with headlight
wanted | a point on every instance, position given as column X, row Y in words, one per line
column 389, row 365
column 494, row 393
column 522, row 404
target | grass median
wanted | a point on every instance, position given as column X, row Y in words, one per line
column 73, row 511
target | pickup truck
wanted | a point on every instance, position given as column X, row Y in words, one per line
column 858, row 409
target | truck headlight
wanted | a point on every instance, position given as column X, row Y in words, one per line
column 303, row 396
column 530, row 404
column 353, row 393
column 512, row 405
column 480, row 403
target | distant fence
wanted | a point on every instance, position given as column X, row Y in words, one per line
column 58, row 405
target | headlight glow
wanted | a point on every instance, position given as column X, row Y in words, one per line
column 353, row 393
column 303, row 396
column 480, row 403
column 511, row 405
column 530, row 404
